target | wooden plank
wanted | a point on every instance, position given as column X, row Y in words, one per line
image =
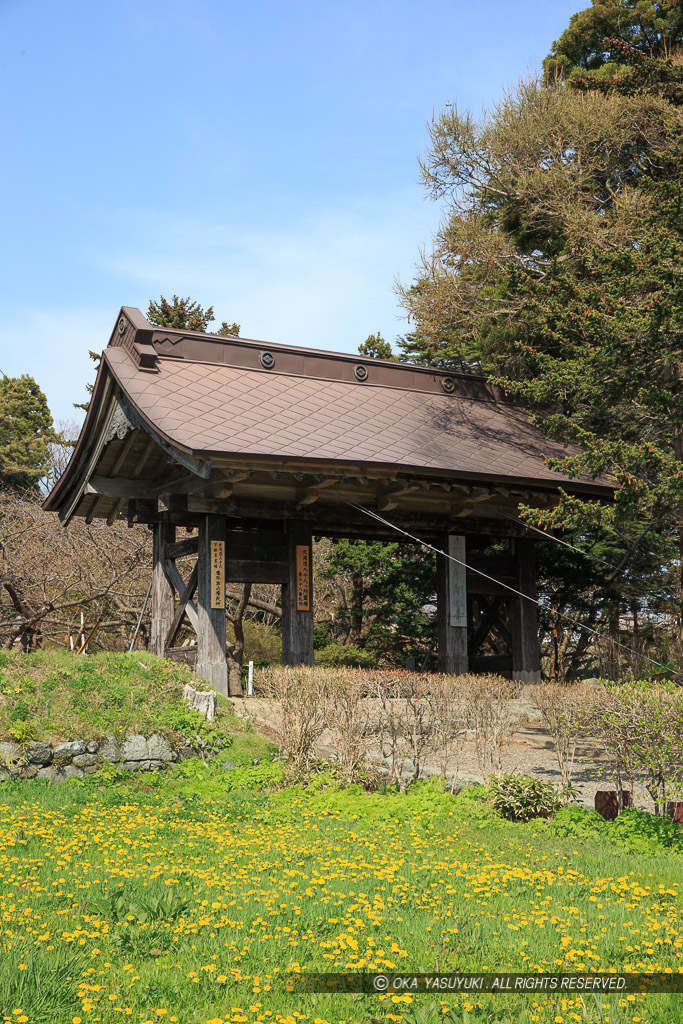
column 526, row 657
column 452, row 639
column 187, row 593
column 217, row 556
column 457, row 581
column 241, row 570
column 163, row 600
column 256, row 545
column 297, row 622
column 211, row 654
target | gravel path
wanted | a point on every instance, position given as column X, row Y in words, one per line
column 530, row 750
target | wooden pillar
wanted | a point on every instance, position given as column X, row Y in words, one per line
column 211, row 661
column 163, row 598
column 451, row 607
column 526, row 659
column 297, row 596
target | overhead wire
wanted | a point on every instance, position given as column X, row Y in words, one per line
column 513, row 590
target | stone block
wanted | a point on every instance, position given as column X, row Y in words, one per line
column 186, row 752
column 59, row 775
column 71, row 749
column 39, row 753
column 85, row 760
column 9, row 751
column 92, row 747
column 109, row 749
column 134, row 748
column 160, row 749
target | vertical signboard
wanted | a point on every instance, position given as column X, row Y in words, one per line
column 217, row 555
column 457, row 581
column 303, row 578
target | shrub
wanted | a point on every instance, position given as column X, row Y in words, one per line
column 640, row 727
column 336, row 654
column 521, row 797
column 489, row 716
column 302, row 695
column 564, row 710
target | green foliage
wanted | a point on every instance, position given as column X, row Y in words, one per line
column 56, row 695
column 335, row 654
column 522, row 797
column 262, row 642
column 25, row 433
column 375, row 347
column 381, row 594
column 587, row 53
column 195, row 729
column 638, row 831
column 186, row 315
column 559, row 264
column 180, row 314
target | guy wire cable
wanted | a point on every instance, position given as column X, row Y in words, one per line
column 565, row 543
column 574, row 622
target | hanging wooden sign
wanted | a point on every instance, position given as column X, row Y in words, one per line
column 303, row 578
column 217, row 573
column 457, row 581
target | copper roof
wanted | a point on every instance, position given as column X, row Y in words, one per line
column 215, row 410
column 205, row 401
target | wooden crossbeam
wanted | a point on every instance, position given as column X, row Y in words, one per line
column 187, row 593
column 311, row 494
column 180, row 548
column 176, row 581
column 119, row 487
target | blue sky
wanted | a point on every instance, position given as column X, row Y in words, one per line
column 259, row 157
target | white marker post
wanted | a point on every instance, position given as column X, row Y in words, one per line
column 250, row 680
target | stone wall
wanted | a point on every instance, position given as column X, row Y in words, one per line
column 37, row 760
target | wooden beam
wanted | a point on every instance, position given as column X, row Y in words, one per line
column 181, row 548
column 187, row 593
column 297, row 596
column 115, row 511
column 119, row 487
column 178, row 583
column 451, row 607
column 211, row 651
column 526, row 660
column 389, row 500
column 241, row 570
column 311, row 494
column 163, row 601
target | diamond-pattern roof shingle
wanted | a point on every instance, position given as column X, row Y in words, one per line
column 215, row 409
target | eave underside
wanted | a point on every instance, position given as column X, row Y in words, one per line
column 136, row 480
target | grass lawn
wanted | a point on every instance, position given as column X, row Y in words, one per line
column 192, row 897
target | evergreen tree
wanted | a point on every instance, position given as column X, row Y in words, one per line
column 376, row 347
column 560, row 262
column 25, row 433
column 186, row 315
